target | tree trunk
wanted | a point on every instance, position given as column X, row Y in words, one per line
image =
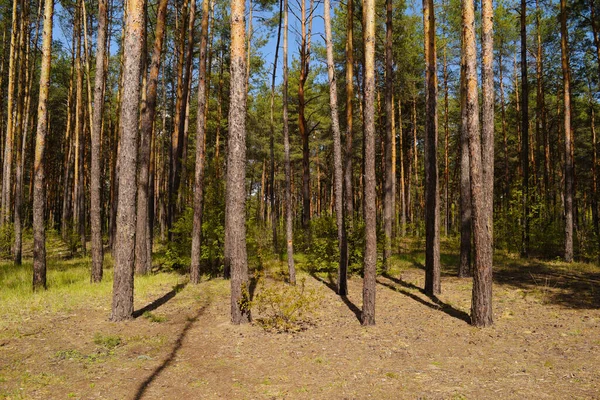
column 235, row 226
column 349, row 199
column 95, row 187
column 370, row 257
column 342, row 285
column 39, row 195
column 525, row 129
column 389, row 178
column 289, row 217
column 432, row 196
column 122, row 306
column 274, row 215
column 200, row 139
column 569, row 192
column 143, row 258
column 403, row 196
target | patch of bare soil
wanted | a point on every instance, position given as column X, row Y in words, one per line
column 544, row 344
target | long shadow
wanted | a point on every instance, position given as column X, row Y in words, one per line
column 160, row 301
column 436, row 305
column 144, row 385
column 331, row 285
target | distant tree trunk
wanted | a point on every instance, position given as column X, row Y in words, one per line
column 564, row 47
column 274, row 214
column 446, row 147
column 403, row 197
column 540, row 106
column 95, row 188
column 464, row 267
column 122, row 306
column 349, row 196
column 483, row 218
column 342, row 286
column 8, row 147
column 370, row 257
column 200, row 135
column 389, row 178
column 525, row 129
column 143, row 258
column 432, row 196
column 289, row 217
column 235, row 224
column 504, row 130
column 39, row 195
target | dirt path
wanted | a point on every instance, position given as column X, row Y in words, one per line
column 538, row 348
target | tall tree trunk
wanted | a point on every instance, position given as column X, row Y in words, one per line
column 389, row 191
column 143, row 257
column 483, row 218
column 540, row 126
column 235, row 225
column 432, row 196
column 403, row 197
column 525, row 129
column 342, row 285
column 370, row 257
column 569, row 191
column 289, row 218
column 446, row 147
column 96, row 128
column 39, row 195
column 8, row 147
column 122, row 306
column 349, row 199
column 466, row 221
column 200, row 139
column 504, row 130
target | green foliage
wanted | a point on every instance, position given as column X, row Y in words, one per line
column 177, row 254
column 154, row 317
column 108, row 342
column 323, row 252
column 285, row 308
column 7, row 238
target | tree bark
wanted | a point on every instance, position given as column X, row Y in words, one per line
column 432, row 195
column 525, row 129
column 200, row 139
column 389, row 178
column 370, row 257
column 122, row 306
column 235, row 227
column 39, row 195
column 569, row 192
column 342, row 286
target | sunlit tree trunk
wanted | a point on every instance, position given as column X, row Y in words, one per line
column 370, row 256
column 524, row 129
column 122, row 305
column 349, row 196
column 564, row 47
column 389, row 178
column 39, row 195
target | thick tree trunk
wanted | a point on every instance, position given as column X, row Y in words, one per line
column 200, row 139
column 39, row 195
column 342, row 286
column 289, row 216
column 143, row 257
column 122, row 306
column 569, row 192
column 235, row 225
column 389, row 178
column 432, row 196
column 370, row 257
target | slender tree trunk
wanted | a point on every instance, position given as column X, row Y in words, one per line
column 569, row 190
column 349, row 196
column 39, row 195
column 370, row 257
column 143, row 257
column 504, row 130
column 446, row 147
column 389, row 178
column 96, row 128
column 235, row 227
column 289, row 216
column 525, row 129
column 432, row 196
column 274, row 215
column 342, row 286
column 200, row 139
column 122, row 306
column 403, row 196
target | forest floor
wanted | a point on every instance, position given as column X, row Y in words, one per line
column 545, row 342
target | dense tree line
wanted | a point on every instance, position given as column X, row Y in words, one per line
column 164, row 122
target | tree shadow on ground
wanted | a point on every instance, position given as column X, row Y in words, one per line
column 178, row 343
column 435, row 304
column 160, row 301
column 571, row 289
column 331, row 285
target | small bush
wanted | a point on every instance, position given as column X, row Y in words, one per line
column 285, row 308
column 109, row 342
column 153, row 317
